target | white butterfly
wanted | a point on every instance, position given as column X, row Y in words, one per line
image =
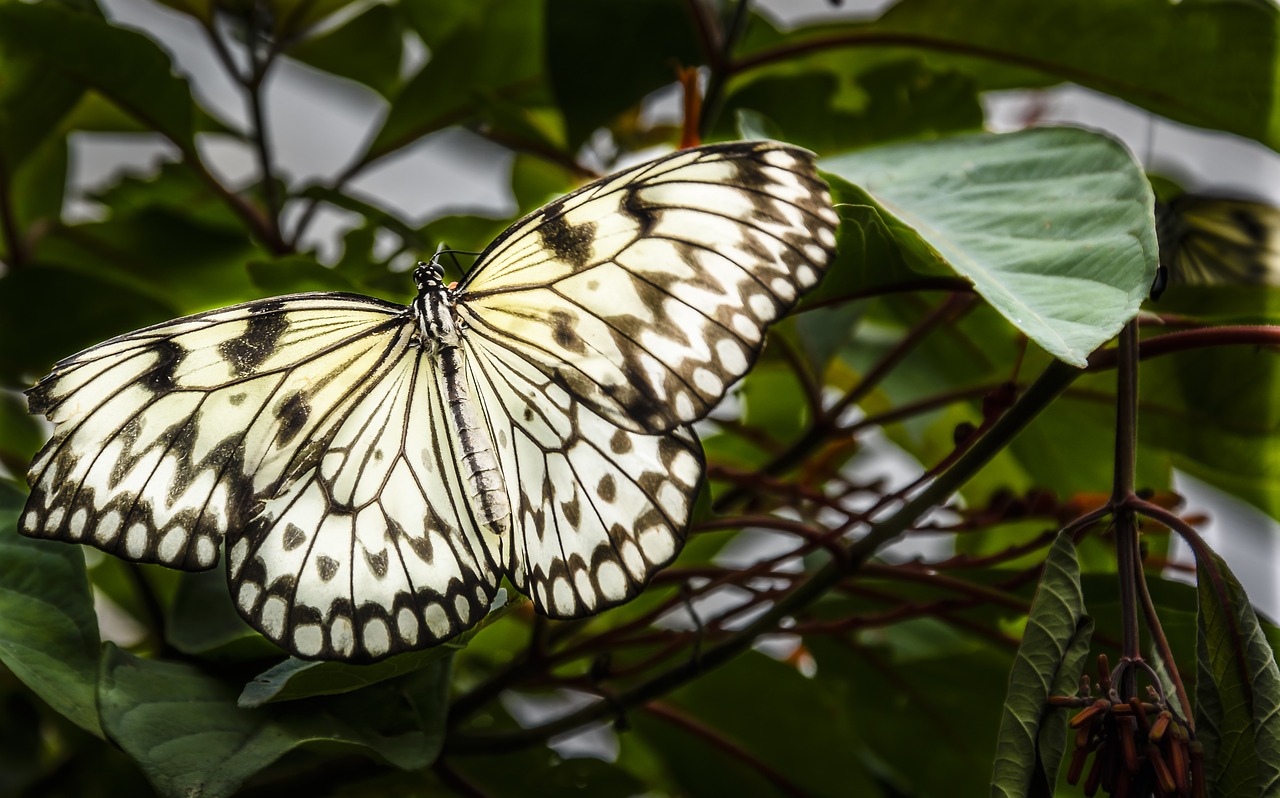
column 376, row 469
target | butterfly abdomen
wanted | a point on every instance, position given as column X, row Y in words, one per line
column 486, row 489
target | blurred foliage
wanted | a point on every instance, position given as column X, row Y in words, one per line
column 967, row 263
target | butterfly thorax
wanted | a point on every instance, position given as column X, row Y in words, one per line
column 433, row 309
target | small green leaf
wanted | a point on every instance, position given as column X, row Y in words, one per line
column 48, row 630
column 1237, row 689
column 1050, row 659
column 184, row 730
column 1054, row 227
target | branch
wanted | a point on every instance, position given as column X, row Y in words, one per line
column 1185, row 340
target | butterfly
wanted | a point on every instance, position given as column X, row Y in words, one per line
column 373, row 470
column 1209, row 240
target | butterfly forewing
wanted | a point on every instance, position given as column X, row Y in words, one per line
column 164, row 438
column 647, row 294
column 597, row 509
column 373, row 549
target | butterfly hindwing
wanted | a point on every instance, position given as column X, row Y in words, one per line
column 372, row 550
column 597, row 508
column 164, row 438
column 646, row 294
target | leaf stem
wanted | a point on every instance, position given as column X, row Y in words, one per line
column 1128, row 555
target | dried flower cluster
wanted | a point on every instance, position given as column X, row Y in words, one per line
column 1139, row 748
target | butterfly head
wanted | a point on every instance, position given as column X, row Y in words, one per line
column 429, row 276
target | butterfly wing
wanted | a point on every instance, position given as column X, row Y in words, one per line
column 596, row 508
column 1206, row 240
column 164, row 438
column 647, row 293
column 372, row 550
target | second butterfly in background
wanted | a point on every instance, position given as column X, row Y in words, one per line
column 1217, row 240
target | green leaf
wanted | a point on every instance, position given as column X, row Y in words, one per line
column 137, row 250
column 122, row 64
column 898, row 100
column 184, row 730
column 1213, row 67
column 20, row 433
column 294, row 274
column 366, row 49
column 603, row 58
column 1054, row 227
column 765, row 728
column 48, row 630
column 1237, row 689
column 202, row 620
column 925, row 700
column 1050, row 658
column 294, row 678
column 868, row 255
column 496, row 49
column 38, row 186
column 773, row 400
column 33, row 101
column 1215, row 412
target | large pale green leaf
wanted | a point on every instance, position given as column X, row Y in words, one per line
column 1237, row 690
column 48, row 630
column 1050, row 659
column 184, row 730
column 1054, row 227
column 123, row 65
